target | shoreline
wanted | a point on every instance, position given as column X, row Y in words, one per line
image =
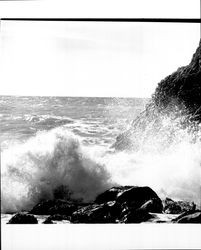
column 117, row 205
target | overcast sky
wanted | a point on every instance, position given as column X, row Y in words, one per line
column 92, row 59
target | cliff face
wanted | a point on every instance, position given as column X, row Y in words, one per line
column 176, row 95
column 183, row 87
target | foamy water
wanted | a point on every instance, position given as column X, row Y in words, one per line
column 74, row 159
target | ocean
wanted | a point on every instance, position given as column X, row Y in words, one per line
column 62, row 147
column 95, row 120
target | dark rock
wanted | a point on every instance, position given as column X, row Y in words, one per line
column 171, row 207
column 152, row 206
column 190, row 218
column 97, row 213
column 184, row 214
column 177, row 207
column 58, row 217
column 183, row 87
column 111, row 194
column 48, row 221
column 23, row 218
column 125, row 204
column 133, row 197
column 136, row 216
column 178, row 95
column 54, row 207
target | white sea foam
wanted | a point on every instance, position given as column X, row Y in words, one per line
column 33, row 170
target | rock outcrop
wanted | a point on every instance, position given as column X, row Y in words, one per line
column 136, row 216
column 55, row 217
column 178, row 95
column 133, row 197
column 123, row 204
column 177, row 207
column 23, row 218
column 50, row 207
column 189, row 217
column 97, row 213
column 183, row 87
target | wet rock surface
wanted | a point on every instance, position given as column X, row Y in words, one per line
column 55, row 218
column 177, row 95
column 136, row 216
column 189, row 217
column 133, row 197
column 97, row 213
column 136, row 197
column 177, row 207
column 122, row 204
column 182, row 87
column 48, row 221
column 23, row 218
column 51, row 207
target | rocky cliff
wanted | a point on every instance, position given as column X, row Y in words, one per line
column 183, row 87
column 178, row 95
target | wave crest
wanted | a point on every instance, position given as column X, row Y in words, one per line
column 50, row 164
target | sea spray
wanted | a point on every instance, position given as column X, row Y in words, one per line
column 175, row 173
column 164, row 152
column 56, row 164
column 37, row 169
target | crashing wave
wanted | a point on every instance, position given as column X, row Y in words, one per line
column 48, row 165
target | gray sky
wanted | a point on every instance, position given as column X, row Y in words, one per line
column 92, row 59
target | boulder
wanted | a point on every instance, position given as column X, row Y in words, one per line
column 48, row 221
column 125, row 204
column 152, row 206
column 133, row 197
column 136, row 216
column 50, row 207
column 111, row 194
column 177, row 207
column 190, row 218
column 23, row 218
column 58, row 217
column 97, row 213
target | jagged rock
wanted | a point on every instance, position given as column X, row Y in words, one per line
column 152, row 206
column 177, row 207
column 111, row 194
column 133, row 204
column 58, row 217
column 189, row 218
column 183, row 87
column 54, row 207
column 184, row 214
column 97, row 213
column 133, row 197
column 136, row 216
column 23, row 218
column 122, row 204
column 178, row 95
column 48, row 221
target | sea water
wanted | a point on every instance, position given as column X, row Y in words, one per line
column 61, row 147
